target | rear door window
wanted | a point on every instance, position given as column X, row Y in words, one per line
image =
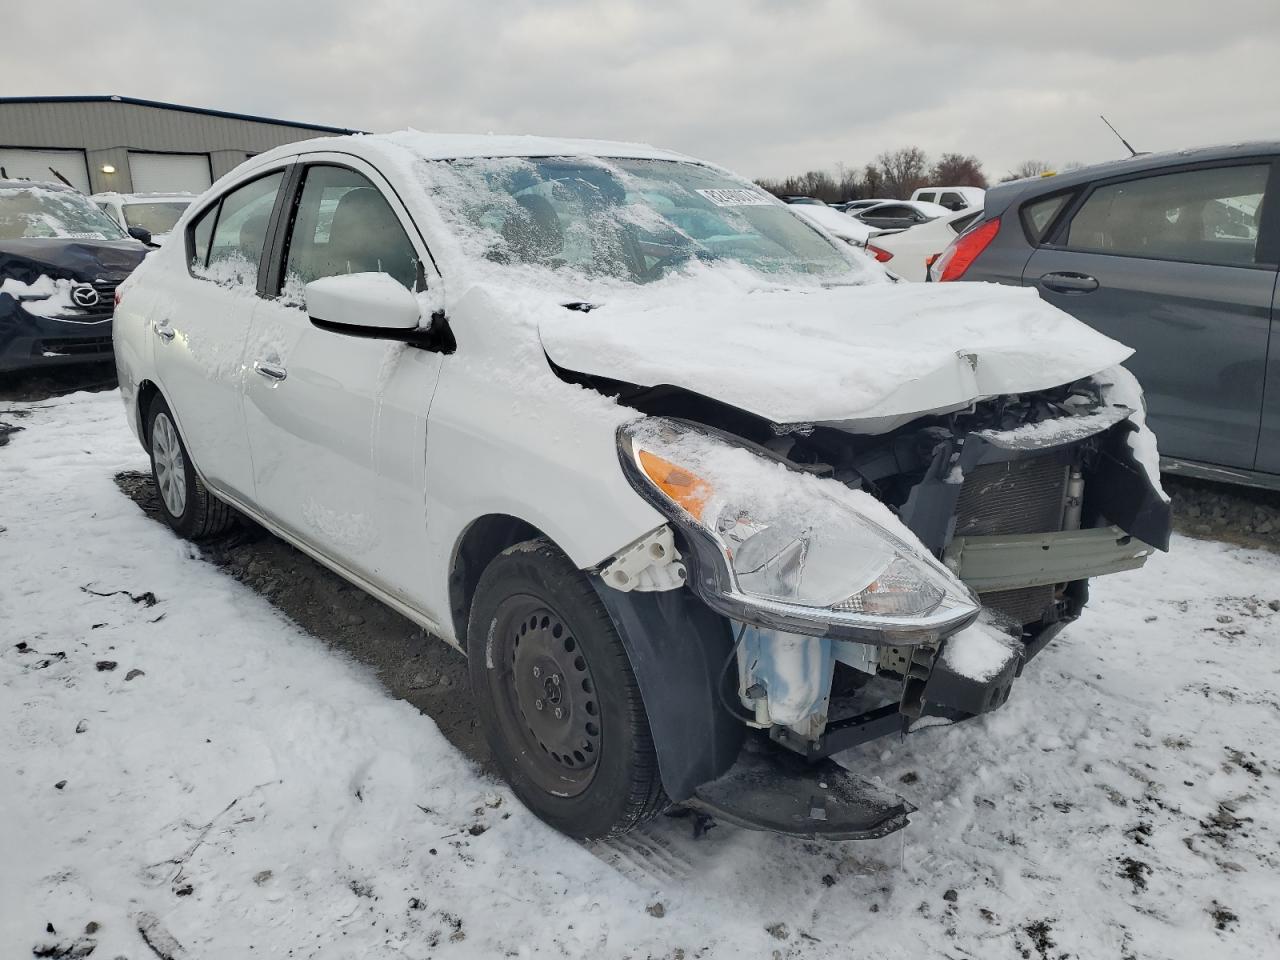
column 1206, row 216
column 227, row 240
column 927, row 197
column 344, row 224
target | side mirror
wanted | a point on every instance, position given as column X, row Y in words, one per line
column 141, row 233
column 372, row 303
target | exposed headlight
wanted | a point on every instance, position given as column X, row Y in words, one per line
column 787, row 549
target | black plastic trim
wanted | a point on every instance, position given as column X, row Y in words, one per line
column 677, row 648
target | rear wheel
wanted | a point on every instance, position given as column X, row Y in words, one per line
column 557, row 697
column 185, row 501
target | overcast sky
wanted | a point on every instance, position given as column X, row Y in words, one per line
column 766, row 87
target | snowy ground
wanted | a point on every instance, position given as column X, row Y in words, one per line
column 177, row 757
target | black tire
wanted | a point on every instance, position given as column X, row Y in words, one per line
column 593, row 773
column 202, row 515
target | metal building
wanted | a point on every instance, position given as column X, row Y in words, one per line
column 134, row 146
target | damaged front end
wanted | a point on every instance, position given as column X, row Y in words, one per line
column 875, row 582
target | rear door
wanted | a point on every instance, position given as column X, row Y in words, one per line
column 199, row 322
column 1170, row 263
column 337, row 424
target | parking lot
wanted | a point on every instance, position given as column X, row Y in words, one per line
column 228, row 745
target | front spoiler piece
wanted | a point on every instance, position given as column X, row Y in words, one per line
column 774, row 790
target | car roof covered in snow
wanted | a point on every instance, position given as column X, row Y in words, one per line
column 458, row 146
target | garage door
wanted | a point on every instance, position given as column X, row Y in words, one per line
column 169, row 172
column 35, row 164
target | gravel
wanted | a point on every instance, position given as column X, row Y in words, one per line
column 1211, row 511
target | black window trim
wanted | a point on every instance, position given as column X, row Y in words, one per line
column 215, row 205
column 1266, row 252
column 273, row 276
column 1024, row 215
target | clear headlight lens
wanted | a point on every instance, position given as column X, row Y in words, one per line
column 789, row 537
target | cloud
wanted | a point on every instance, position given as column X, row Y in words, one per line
column 762, row 86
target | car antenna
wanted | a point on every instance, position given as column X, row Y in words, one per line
column 1132, row 152
column 3, row 174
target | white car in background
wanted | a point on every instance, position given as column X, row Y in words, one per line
column 908, row 253
column 839, row 225
column 148, row 217
column 670, row 465
column 953, row 198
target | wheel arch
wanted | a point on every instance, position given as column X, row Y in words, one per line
column 676, row 644
column 147, row 392
column 482, row 540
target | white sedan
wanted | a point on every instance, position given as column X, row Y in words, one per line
column 838, row 224
column 909, row 252
column 664, row 460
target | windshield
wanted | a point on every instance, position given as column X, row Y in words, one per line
column 631, row 220
column 36, row 213
column 157, row 217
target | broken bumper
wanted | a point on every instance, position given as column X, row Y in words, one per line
column 771, row 789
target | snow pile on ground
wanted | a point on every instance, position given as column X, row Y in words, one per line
column 182, row 763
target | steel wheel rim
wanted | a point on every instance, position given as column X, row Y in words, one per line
column 171, row 467
column 538, row 660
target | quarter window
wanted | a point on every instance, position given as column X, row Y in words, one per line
column 1201, row 216
column 1039, row 214
column 344, row 225
column 228, row 239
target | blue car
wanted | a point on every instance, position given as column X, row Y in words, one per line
column 1176, row 255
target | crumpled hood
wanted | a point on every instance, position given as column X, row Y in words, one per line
column 882, row 352
column 29, row 259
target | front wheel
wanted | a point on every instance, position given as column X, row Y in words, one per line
column 186, row 503
column 557, row 698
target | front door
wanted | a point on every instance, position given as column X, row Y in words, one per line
column 200, row 322
column 1169, row 264
column 337, row 424
column 1269, row 436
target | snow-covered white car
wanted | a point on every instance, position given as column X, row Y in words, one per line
column 909, row 252
column 705, row 495
column 148, row 217
column 839, row 225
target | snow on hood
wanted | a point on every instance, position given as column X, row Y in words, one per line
column 879, row 352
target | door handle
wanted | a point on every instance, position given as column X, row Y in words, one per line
column 162, row 329
column 1069, row 282
column 273, row 372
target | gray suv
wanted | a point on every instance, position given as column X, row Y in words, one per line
column 1175, row 255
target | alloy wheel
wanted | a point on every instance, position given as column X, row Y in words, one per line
column 170, row 465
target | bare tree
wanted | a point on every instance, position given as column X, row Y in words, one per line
column 872, row 183
column 904, row 170
column 958, row 170
column 1027, row 168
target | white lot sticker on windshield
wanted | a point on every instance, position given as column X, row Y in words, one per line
column 737, row 197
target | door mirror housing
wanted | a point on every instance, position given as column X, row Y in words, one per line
column 141, row 233
column 375, row 303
